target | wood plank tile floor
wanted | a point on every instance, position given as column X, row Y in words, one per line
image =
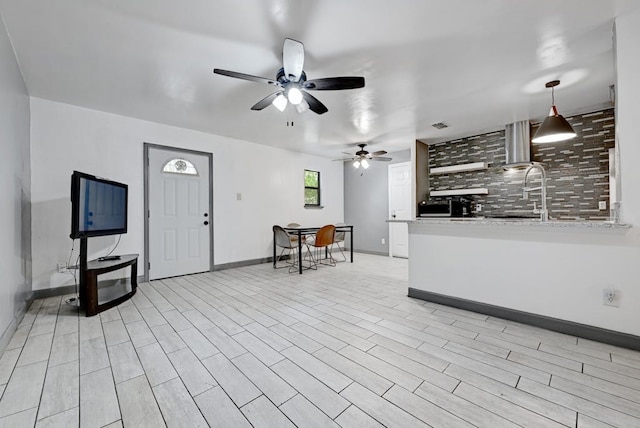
column 340, row 346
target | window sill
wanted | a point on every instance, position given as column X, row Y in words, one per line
column 314, row 207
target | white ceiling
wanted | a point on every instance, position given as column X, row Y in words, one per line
column 473, row 64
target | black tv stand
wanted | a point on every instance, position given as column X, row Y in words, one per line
column 98, row 291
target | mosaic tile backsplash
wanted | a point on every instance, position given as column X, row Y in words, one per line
column 577, row 170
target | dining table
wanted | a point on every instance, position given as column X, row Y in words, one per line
column 301, row 231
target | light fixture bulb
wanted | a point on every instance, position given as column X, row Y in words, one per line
column 356, row 164
column 280, row 102
column 302, row 107
column 294, row 95
column 365, row 164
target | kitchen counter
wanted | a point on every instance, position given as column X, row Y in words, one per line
column 545, row 270
column 518, row 222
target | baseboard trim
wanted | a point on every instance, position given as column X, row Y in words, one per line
column 374, row 253
column 52, row 292
column 243, row 263
column 585, row 331
column 7, row 334
column 66, row 289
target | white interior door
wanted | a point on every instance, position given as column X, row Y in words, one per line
column 179, row 217
column 399, row 208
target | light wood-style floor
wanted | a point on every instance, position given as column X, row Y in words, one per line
column 340, row 346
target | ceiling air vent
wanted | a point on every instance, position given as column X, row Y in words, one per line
column 440, row 125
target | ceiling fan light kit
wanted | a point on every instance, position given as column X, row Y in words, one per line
column 280, row 102
column 292, row 83
column 294, row 96
column 554, row 127
column 363, row 157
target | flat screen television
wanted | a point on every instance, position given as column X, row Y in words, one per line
column 98, row 206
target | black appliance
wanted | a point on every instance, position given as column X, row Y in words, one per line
column 448, row 208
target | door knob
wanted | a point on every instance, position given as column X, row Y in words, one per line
column 206, row 223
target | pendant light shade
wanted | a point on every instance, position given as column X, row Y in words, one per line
column 554, row 127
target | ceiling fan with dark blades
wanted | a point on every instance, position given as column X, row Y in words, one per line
column 362, row 157
column 292, row 84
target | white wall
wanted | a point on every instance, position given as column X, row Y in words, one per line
column 627, row 113
column 15, row 217
column 553, row 272
column 66, row 138
column 366, row 203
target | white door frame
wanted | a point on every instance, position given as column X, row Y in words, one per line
column 399, row 164
column 146, row 148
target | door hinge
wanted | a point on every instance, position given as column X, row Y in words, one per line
column 148, row 265
column 149, row 214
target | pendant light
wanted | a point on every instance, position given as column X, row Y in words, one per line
column 554, row 127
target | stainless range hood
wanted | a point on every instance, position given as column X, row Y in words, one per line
column 517, row 145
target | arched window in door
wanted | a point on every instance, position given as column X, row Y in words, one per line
column 180, row 166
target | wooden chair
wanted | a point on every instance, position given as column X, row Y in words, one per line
column 324, row 239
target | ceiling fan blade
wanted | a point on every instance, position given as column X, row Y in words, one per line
column 314, row 104
column 334, row 83
column 246, row 77
column 381, row 159
column 292, row 59
column 379, row 153
column 266, row 101
column 345, row 159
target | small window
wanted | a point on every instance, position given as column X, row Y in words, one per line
column 311, row 188
column 180, row 166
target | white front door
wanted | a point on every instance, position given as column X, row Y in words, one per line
column 399, row 208
column 179, row 217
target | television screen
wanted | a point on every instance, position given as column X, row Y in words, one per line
column 98, row 206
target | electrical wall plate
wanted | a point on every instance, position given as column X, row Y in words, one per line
column 611, row 297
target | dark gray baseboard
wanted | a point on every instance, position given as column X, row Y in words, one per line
column 375, row 253
column 51, row 292
column 7, row 334
column 61, row 291
column 243, row 263
column 598, row 334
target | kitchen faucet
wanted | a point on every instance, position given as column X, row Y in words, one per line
column 544, row 214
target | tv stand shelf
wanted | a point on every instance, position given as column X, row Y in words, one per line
column 99, row 291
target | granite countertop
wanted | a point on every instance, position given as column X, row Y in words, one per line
column 585, row 224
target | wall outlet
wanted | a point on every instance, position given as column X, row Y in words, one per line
column 62, row 267
column 478, row 207
column 238, row 196
column 602, row 205
column 382, row 241
column 611, row 297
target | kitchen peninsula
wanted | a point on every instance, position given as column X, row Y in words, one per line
column 552, row 274
column 548, row 274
